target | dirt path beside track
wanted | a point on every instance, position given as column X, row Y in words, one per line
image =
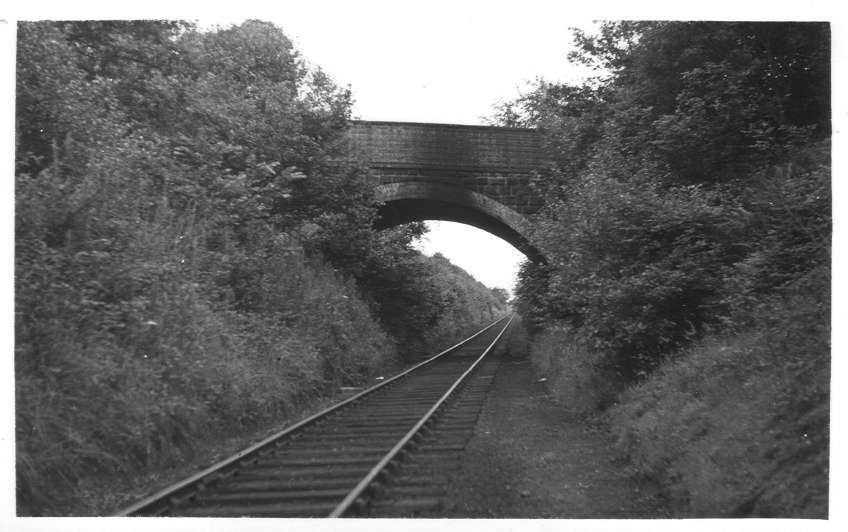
column 528, row 459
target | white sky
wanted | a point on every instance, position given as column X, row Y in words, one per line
column 489, row 259
column 421, row 63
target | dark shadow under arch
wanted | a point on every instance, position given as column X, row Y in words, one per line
column 417, row 201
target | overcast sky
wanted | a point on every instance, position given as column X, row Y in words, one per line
column 416, row 62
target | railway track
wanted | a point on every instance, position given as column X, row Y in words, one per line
column 380, row 452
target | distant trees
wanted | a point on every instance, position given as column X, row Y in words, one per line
column 501, row 295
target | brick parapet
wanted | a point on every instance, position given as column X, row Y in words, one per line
column 493, row 161
column 446, row 146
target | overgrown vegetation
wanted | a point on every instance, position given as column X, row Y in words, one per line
column 191, row 258
column 746, row 412
column 687, row 228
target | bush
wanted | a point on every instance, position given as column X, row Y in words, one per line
column 576, row 377
column 686, row 185
column 95, row 404
column 748, row 412
column 639, row 269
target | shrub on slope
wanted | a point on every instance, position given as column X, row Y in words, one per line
column 739, row 424
column 96, row 403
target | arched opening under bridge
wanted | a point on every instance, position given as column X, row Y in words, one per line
column 477, row 175
column 406, row 202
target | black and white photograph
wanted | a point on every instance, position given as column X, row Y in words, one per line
column 504, row 265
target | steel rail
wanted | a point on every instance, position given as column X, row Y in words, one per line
column 248, row 453
column 372, row 475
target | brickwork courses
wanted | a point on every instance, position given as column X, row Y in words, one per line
column 494, row 161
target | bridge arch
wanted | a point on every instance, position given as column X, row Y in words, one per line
column 477, row 175
column 413, row 201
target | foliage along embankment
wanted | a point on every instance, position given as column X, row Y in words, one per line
column 687, row 227
column 191, row 259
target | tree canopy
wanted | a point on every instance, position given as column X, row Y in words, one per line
column 688, row 178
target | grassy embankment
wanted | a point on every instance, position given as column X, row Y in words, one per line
column 97, row 414
column 735, row 425
column 99, row 407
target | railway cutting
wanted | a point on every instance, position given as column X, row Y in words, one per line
column 382, row 452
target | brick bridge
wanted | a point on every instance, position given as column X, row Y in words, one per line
column 477, row 175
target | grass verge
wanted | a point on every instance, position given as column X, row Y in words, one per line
column 737, row 425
